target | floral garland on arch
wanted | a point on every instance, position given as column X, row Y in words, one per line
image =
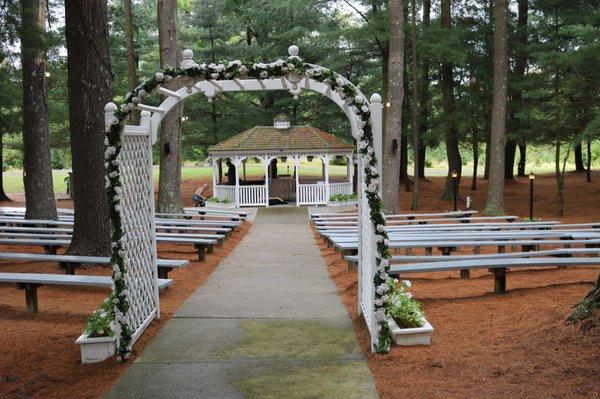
column 227, row 71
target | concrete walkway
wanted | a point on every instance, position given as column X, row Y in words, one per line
column 268, row 323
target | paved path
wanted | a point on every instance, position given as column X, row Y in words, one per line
column 268, row 323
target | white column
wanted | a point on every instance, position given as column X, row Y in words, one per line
column 297, row 170
column 377, row 129
column 266, row 161
column 215, row 171
column 236, row 163
column 351, row 171
column 326, row 160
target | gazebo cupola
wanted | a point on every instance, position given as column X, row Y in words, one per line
column 287, row 156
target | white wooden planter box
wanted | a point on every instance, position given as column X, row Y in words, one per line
column 335, row 204
column 411, row 336
column 219, row 205
column 94, row 350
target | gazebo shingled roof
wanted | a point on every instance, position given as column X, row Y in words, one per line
column 270, row 139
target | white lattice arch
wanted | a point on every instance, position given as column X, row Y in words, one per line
column 152, row 117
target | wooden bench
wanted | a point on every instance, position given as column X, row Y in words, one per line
column 206, row 210
column 496, row 266
column 70, row 262
column 31, row 281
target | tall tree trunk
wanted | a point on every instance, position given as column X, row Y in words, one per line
column 486, row 166
column 510, row 152
column 579, row 167
column 3, row 196
column 169, row 181
column 588, row 171
column 495, row 200
column 560, row 178
column 393, row 114
column 89, row 81
column 131, row 57
column 522, row 160
column 451, row 134
column 520, row 67
column 424, row 96
column 37, row 167
column 415, row 108
column 475, row 144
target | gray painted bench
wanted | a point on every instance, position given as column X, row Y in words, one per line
column 496, row 266
column 31, row 281
column 70, row 262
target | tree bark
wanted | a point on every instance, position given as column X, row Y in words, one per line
column 522, row 160
column 169, row 181
column 3, row 196
column 131, row 56
column 588, row 171
column 393, row 114
column 37, row 167
column 520, row 67
column 451, row 134
column 560, row 178
column 414, row 111
column 510, row 152
column 89, row 82
column 495, row 200
column 475, row 144
column 579, row 166
column 424, row 97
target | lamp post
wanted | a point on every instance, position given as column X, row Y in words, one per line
column 455, row 189
column 531, row 179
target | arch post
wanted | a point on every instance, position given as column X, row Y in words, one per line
column 377, row 129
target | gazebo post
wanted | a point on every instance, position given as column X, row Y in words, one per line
column 297, row 172
column 236, row 162
column 214, row 176
column 326, row 159
column 350, row 172
column 266, row 161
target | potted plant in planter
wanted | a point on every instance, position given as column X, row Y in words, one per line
column 407, row 321
column 342, row 200
column 98, row 342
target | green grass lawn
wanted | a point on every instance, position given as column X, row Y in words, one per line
column 13, row 179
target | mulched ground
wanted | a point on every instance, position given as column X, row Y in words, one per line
column 487, row 345
column 38, row 354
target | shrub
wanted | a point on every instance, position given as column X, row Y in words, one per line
column 343, row 197
column 219, row 200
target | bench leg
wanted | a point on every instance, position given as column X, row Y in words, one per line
column 50, row 249
column 69, row 267
column 210, row 249
column 465, row 273
column 30, row 296
column 501, row 249
column 499, row 280
column 352, row 265
column 201, row 251
column 428, row 250
column 163, row 272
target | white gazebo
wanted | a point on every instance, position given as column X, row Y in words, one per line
column 283, row 143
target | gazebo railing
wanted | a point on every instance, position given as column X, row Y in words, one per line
column 253, row 195
column 310, row 194
column 223, row 191
column 340, row 188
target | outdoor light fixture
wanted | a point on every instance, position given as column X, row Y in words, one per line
column 531, row 179
column 454, row 175
column 310, row 158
